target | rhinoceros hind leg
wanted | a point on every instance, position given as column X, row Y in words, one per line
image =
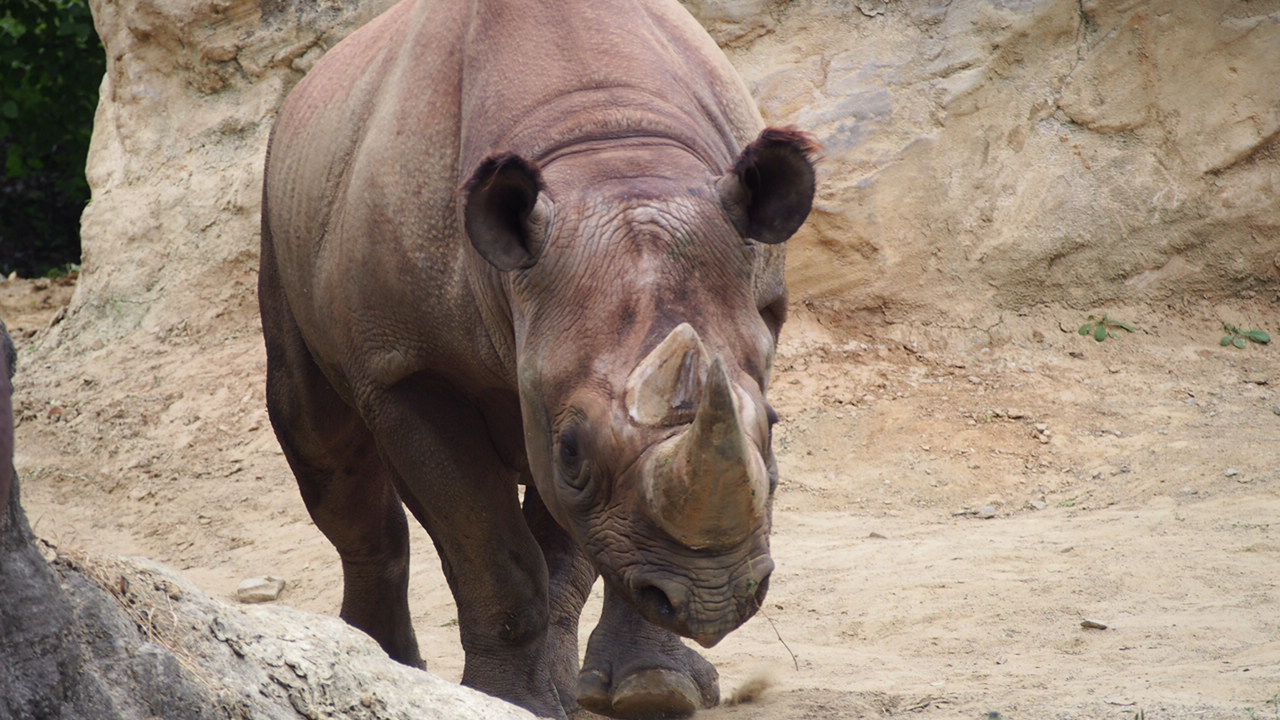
column 635, row 670
column 344, row 484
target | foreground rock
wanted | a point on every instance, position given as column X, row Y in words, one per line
column 127, row 639
column 274, row 661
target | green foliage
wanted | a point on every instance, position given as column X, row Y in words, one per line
column 1240, row 338
column 1104, row 327
column 51, row 64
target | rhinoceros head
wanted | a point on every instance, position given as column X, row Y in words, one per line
column 646, row 297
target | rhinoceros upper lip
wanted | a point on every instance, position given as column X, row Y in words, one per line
column 675, row 604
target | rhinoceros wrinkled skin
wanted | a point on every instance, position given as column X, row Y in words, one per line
column 535, row 244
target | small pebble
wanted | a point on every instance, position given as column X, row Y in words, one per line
column 1092, row 625
column 259, row 589
column 1232, row 472
column 986, row 512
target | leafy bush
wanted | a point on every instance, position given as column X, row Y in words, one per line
column 51, row 63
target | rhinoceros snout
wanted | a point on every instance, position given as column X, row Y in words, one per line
column 704, row 614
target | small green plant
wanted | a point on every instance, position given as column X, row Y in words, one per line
column 1239, row 338
column 1273, row 704
column 61, row 271
column 1104, row 327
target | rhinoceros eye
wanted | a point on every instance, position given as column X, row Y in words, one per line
column 572, row 462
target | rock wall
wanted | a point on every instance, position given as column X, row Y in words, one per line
column 170, row 237
column 978, row 154
column 1006, row 154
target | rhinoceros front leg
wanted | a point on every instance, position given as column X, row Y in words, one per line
column 570, row 579
column 346, row 488
column 439, row 447
column 634, row 669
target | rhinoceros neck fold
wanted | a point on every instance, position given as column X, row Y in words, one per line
column 548, row 76
column 612, row 117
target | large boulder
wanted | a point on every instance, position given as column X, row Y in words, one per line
column 106, row 639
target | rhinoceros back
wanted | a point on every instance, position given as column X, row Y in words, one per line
column 371, row 147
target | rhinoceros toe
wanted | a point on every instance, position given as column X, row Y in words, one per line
column 651, row 692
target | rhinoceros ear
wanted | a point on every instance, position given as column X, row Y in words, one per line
column 501, row 211
column 769, row 191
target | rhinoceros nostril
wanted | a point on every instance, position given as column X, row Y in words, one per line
column 656, row 602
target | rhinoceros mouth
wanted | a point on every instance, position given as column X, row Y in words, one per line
column 704, row 614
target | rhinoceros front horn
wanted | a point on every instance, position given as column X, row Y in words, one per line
column 708, row 486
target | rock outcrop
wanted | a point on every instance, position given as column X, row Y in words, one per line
column 999, row 155
column 175, row 164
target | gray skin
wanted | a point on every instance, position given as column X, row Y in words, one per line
column 479, row 221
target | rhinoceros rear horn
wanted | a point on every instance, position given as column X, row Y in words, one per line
column 503, row 213
column 769, row 191
column 665, row 387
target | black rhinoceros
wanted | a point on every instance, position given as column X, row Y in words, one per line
column 535, row 247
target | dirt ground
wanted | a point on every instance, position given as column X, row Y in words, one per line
column 957, row 499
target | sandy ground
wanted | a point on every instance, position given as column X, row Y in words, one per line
column 957, row 499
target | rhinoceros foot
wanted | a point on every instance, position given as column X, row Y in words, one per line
column 636, row 670
column 652, row 693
